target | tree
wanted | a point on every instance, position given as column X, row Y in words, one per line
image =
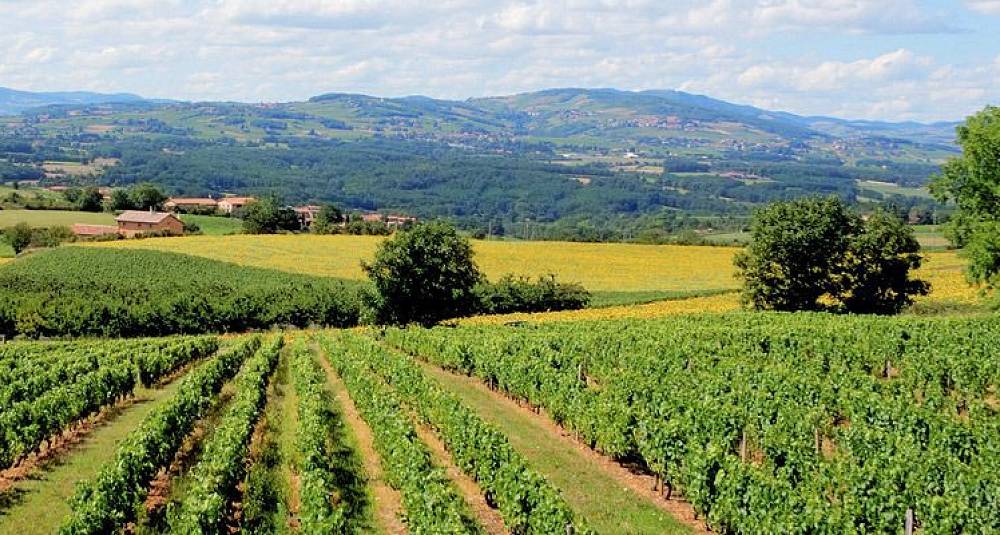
column 90, row 200
column 794, row 249
column 423, row 275
column 146, row 196
column 18, row 237
column 815, row 254
column 268, row 216
column 327, row 219
column 877, row 271
column 972, row 181
column 120, row 200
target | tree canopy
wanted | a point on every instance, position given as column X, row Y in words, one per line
column 816, row 254
column 423, row 275
column 972, row 181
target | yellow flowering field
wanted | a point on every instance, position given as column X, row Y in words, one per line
column 598, row 266
column 717, row 303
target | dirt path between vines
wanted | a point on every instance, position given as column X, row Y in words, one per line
column 500, row 410
column 387, row 502
column 487, row 516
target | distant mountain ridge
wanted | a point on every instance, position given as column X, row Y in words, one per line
column 558, row 111
column 13, row 101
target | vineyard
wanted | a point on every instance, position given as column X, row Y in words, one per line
column 739, row 423
column 77, row 291
column 769, row 423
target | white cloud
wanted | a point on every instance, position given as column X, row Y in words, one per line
column 741, row 50
column 989, row 7
column 866, row 16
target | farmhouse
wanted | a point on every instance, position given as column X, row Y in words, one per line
column 190, row 203
column 399, row 220
column 229, row 204
column 132, row 222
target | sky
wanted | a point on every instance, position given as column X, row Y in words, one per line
column 859, row 59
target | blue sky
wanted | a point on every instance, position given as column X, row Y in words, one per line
column 872, row 59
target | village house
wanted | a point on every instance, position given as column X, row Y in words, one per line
column 229, row 204
column 307, row 214
column 399, row 220
column 190, row 203
column 132, row 222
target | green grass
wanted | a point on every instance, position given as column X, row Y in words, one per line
column 613, row 298
column 215, row 226
column 38, row 504
column 597, row 497
column 886, row 188
column 52, row 218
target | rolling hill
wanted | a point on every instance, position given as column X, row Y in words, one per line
column 580, row 156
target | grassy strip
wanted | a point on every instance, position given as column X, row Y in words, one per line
column 266, row 496
column 603, row 501
column 527, row 502
column 106, row 503
column 432, row 503
column 38, row 504
column 221, row 467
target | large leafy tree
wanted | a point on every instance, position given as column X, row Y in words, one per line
column 147, row 196
column 796, row 246
column 423, row 275
column 875, row 274
column 972, row 181
column 18, row 236
column 268, row 216
column 816, row 254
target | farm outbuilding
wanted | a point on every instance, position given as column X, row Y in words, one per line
column 132, row 222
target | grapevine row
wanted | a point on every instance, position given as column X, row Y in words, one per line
column 527, row 502
column 432, row 503
column 770, row 422
column 318, row 513
column 109, row 501
column 41, row 414
column 222, row 465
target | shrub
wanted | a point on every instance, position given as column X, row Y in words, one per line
column 520, row 294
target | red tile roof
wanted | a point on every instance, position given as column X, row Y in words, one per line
column 197, row 201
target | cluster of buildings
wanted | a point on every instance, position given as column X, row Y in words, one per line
column 135, row 222
column 226, row 205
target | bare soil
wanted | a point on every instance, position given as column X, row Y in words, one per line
column 487, row 516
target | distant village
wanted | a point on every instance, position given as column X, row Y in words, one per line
column 132, row 223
